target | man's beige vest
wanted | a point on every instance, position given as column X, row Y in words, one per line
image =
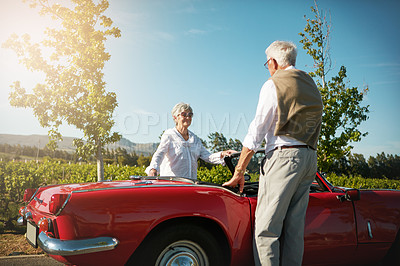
column 299, row 106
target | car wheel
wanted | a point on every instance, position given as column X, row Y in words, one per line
column 183, row 252
column 180, row 245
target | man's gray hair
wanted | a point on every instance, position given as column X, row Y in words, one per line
column 180, row 107
column 284, row 53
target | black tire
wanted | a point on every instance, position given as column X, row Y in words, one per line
column 180, row 243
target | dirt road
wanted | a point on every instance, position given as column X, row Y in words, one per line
column 36, row 260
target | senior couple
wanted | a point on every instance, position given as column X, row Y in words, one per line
column 288, row 117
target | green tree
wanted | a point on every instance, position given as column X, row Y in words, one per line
column 143, row 161
column 235, row 144
column 385, row 166
column 217, row 142
column 343, row 110
column 358, row 165
column 73, row 91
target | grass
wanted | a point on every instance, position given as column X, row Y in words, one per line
column 15, row 243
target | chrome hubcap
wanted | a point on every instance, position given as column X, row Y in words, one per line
column 183, row 253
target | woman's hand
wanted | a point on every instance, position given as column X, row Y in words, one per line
column 227, row 153
column 153, row 172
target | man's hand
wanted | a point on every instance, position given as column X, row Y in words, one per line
column 237, row 179
column 153, row 172
column 238, row 176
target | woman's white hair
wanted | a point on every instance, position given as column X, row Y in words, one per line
column 179, row 108
column 284, row 53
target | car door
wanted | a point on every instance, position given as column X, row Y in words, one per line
column 330, row 234
column 330, row 230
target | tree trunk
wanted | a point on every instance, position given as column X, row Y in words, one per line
column 100, row 164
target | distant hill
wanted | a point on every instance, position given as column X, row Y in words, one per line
column 41, row 141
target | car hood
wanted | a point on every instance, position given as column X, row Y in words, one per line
column 43, row 196
column 163, row 181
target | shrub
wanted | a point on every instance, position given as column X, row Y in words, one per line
column 218, row 174
column 363, row 183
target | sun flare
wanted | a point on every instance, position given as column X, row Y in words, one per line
column 20, row 19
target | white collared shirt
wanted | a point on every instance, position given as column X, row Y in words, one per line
column 176, row 156
column 264, row 122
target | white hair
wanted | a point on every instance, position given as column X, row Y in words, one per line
column 284, row 53
column 179, row 108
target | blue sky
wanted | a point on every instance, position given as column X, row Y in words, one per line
column 210, row 53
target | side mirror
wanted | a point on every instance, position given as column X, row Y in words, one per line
column 246, row 177
column 351, row 194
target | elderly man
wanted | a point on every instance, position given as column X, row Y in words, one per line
column 288, row 117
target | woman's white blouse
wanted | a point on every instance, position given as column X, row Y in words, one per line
column 176, row 156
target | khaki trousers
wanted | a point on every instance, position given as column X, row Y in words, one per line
column 282, row 203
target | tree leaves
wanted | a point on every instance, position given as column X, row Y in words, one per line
column 343, row 110
column 72, row 59
column 218, row 142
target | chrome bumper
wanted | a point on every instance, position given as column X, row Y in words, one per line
column 21, row 221
column 55, row 246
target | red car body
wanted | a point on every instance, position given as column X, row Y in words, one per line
column 106, row 223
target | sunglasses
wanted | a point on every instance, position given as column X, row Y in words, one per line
column 185, row 114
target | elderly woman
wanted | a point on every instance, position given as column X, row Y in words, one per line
column 180, row 148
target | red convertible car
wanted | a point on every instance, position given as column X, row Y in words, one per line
column 178, row 221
